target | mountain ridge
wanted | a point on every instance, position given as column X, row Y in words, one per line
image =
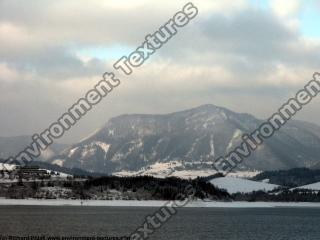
column 188, row 140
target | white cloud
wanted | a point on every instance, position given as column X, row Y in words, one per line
column 285, row 8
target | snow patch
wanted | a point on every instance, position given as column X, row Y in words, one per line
column 90, row 149
column 72, row 151
column 104, row 146
column 9, row 167
column 234, row 185
column 211, row 146
column 237, row 133
column 59, row 162
column 244, row 174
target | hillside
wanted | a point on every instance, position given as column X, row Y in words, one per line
column 290, row 178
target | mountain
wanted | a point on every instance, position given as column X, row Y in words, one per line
column 11, row 146
column 188, row 141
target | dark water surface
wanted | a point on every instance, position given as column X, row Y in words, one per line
column 189, row 223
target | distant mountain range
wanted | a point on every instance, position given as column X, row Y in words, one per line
column 188, row 141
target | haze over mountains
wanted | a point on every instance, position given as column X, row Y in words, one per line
column 11, row 146
column 188, row 141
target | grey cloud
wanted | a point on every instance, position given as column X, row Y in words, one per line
column 248, row 44
column 252, row 35
column 82, row 22
column 56, row 63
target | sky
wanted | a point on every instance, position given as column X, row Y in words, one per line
column 246, row 55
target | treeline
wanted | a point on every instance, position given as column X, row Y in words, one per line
column 290, row 178
column 144, row 188
column 115, row 188
column 298, row 195
column 158, row 188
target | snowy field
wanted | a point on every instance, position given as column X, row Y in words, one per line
column 168, row 169
column 134, row 203
column 233, row 185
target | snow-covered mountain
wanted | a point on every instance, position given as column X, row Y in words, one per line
column 189, row 141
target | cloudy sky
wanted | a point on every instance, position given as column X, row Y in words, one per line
column 246, row 55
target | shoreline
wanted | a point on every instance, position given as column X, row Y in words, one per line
column 151, row 203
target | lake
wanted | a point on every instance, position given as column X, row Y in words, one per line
column 189, row 223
